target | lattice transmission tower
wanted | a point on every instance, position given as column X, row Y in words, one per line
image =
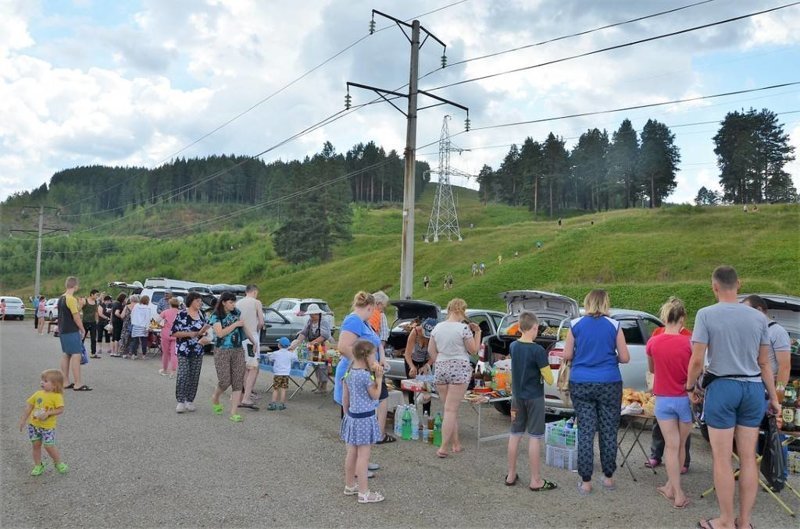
column 444, row 215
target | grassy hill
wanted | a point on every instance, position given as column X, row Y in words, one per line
column 641, row 256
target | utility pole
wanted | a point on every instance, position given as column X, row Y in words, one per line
column 39, row 232
column 409, row 178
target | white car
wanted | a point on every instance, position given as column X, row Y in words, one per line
column 51, row 309
column 14, row 308
column 294, row 309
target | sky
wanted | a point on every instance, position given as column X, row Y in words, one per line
column 139, row 82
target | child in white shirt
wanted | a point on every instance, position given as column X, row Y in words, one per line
column 281, row 366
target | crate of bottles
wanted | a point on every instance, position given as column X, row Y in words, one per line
column 566, row 458
column 561, row 434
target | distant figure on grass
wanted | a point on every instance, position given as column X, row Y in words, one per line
column 499, row 259
column 474, row 269
column 70, row 330
column 448, row 281
column 360, row 392
column 483, row 268
column 734, row 338
column 559, row 222
column 744, row 208
column 530, row 369
column 539, row 245
column 40, row 415
column 281, row 368
column 426, row 281
column 516, row 253
column 252, row 313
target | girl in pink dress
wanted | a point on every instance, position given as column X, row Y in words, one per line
column 169, row 346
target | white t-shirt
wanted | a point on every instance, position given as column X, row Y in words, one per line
column 282, row 361
column 450, row 338
column 249, row 309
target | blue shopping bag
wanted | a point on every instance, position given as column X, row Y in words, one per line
column 84, row 356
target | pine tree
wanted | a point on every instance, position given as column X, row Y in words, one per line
column 623, row 154
column 658, row 161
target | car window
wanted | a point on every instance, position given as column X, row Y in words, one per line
column 322, row 306
column 157, row 296
column 650, row 325
column 483, row 323
column 270, row 316
column 285, row 305
column 496, row 319
column 632, row 332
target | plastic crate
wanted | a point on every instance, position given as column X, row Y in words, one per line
column 566, row 458
column 556, row 434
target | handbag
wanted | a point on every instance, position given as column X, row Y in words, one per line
column 562, row 382
column 109, row 328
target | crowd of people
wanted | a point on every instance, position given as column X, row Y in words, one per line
column 733, row 362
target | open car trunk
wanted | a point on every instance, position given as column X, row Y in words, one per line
column 408, row 311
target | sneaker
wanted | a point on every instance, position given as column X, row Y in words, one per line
column 373, row 466
column 180, row 408
column 370, row 497
column 190, row 406
column 653, row 463
column 38, row 470
column 281, row 406
column 62, row 468
column 273, row 406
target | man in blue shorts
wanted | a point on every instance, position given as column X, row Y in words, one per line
column 736, row 339
column 70, row 331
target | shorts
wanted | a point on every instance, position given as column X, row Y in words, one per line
column 280, row 382
column 46, row 435
column 71, row 343
column 673, row 408
column 731, row 403
column 528, row 417
column 453, row 372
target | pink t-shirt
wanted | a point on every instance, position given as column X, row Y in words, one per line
column 671, row 354
column 169, row 316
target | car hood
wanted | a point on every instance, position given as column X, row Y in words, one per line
column 782, row 308
column 408, row 309
column 543, row 304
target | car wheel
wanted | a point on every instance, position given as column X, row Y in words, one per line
column 503, row 407
column 22, row 318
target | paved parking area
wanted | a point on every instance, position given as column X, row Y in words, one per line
column 135, row 463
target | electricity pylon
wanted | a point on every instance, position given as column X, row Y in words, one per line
column 444, row 215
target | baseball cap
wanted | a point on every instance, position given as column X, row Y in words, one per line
column 427, row 327
column 284, row 342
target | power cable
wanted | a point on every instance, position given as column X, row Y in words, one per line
column 611, row 48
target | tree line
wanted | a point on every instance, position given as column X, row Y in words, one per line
column 629, row 167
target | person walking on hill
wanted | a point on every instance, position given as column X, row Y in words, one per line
column 252, row 314
column 474, row 268
column 426, row 281
column 70, row 330
column 735, row 340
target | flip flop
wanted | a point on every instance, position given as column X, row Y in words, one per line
column 705, row 524
column 585, row 493
column 82, row 388
column 217, row 408
column 609, row 488
column 70, row 386
column 236, row 418
column 386, row 439
column 457, row 451
column 736, row 524
column 511, row 483
column 686, row 503
column 548, row 485
column 442, row 455
column 664, row 494
column 249, row 406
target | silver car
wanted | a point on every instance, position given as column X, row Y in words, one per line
column 15, row 308
column 785, row 310
column 277, row 325
column 294, row 309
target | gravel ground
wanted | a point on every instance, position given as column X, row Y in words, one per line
column 135, row 463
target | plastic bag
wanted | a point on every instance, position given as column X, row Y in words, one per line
column 84, row 356
column 773, row 465
column 562, row 382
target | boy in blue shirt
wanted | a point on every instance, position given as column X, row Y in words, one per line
column 530, row 369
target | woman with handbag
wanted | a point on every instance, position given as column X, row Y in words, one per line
column 596, row 346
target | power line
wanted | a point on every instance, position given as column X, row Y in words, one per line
column 254, row 106
column 569, row 36
column 611, row 48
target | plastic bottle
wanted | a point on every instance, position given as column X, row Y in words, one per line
column 437, row 430
column 406, row 425
column 414, row 424
column 398, row 419
column 426, row 432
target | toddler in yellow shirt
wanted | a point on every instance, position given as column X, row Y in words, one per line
column 40, row 415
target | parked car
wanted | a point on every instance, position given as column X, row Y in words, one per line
column 555, row 313
column 275, row 326
column 15, row 308
column 51, row 309
column 294, row 310
column 409, row 310
column 786, row 311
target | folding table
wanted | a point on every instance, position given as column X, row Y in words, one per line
column 643, row 422
column 477, row 406
column 301, row 369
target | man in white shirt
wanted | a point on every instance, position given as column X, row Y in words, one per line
column 252, row 314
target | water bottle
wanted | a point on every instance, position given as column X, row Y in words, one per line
column 426, row 433
column 398, row 414
column 406, row 425
column 437, row 430
column 414, row 424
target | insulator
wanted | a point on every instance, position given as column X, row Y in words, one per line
column 347, row 101
column 372, row 26
column 444, row 60
column 466, row 124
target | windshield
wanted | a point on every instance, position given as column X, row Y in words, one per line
column 548, row 327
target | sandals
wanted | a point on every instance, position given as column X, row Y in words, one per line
column 236, row 418
column 38, row 470
column 370, row 497
column 653, row 463
column 62, row 468
column 511, row 483
column 82, row 388
column 548, row 485
column 70, row 386
column 581, row 490
column 351, row 491
column 249, row 406
column 441, row 454
column 386, row 439
column 217, row 408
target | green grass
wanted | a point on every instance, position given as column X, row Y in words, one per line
column 641, row 256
